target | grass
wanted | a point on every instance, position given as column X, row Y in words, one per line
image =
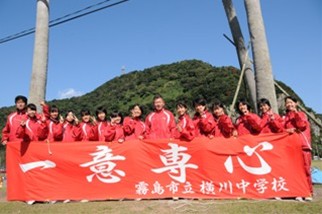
column 170, row 206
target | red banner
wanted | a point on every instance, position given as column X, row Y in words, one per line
column 264, row 166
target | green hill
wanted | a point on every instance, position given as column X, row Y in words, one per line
column 183, row 81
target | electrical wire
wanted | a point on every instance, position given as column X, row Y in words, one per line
column 64, row 19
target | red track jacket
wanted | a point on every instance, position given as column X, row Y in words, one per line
column 248, row 124
column 204, row 124
column 160, row 125
column 34, row 130
column 188, row 128
column 272, row 126
column 55, row 128
column 13, row 122
column 133, row 128
column 89, row 132
column 299, row 121
column 113, row 132
column 71, row 133
column 224, row 127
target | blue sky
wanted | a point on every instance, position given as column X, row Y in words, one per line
column 87, row 52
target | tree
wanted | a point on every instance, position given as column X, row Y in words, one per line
column 262, row 64
column 239, row 43
column 38, row 83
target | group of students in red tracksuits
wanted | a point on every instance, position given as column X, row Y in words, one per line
column 26, row 124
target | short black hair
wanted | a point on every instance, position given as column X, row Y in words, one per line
column 244, row 102
column 100, row 110
column 263, row 101
column 117, row 114
column 32, row 106
column 85, row 112
column 199, row 101
column 217, row 104
column 181, row 104
column 157, row 96
column 139, row 106
column 20, row 97
column 291, row 98
column 69, row 111
column 53, row 108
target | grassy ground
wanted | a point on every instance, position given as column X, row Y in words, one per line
column 170, row 206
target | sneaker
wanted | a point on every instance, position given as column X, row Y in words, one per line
column 300, row 199
column 308, row 198
column 84, row 201
column 278, row 198
column 52, row 202
column 31, row 202
column 66, row 201
column 175, row 198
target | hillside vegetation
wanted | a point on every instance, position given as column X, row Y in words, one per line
column 184, row 81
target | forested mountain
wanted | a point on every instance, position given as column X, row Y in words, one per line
column 182, row 81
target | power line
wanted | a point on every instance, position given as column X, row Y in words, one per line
column 63, row 19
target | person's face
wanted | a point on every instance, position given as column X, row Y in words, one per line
column 218, row 111
column 116, row 120
column 31, row 113
column 158, row 104
column 20, row 105
column 54, row 114
column 101, row 116
column 181, row 110
column 70, row 117
column 200, row 108
column 86, row 118
column 136, row 111
column 243, row 108
column 290, row 105
column 264, row 108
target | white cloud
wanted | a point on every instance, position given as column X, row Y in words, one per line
column 68, row 93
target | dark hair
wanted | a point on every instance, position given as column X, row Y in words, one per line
column 69, row 111
column 85, row 112
column 291, row 98
column 199, row 101
column 217, row 104
column 100, row 110
column 20, row 97
column 140, row 107
column 244, row 102
column 117, row 114
column 157, row 96
column 32, row 106
column 53, row 108
column 181, row 104
column 263, row 101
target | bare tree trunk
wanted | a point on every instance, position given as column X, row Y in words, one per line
column 241, row 48
column 262, row 64
column 38, row 83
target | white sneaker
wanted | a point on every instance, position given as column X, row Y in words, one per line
column 31, row 202
column 84, row 201
column 52, row 202
column 300, row 199
column 278, row 198
column 66, row 201
column 308, row 198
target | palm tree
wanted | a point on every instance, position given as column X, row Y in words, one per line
column 240, row 48
column 262, row 64
column 38, row 83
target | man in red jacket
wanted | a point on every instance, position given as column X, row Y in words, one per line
column 160, row 123
column 14, row 120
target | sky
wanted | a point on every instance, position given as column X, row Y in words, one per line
column 138, row 34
